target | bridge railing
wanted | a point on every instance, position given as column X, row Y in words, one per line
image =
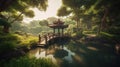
column 49, row 36
column 45, row 37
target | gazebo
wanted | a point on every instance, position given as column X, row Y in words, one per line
column 59, row 25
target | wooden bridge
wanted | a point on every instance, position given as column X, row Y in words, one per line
column 44, row 40
column 57, row 25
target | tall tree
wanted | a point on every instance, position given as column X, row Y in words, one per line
column 18, row 8
column 107, row 10
column 75, row 7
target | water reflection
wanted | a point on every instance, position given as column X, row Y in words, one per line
column 77, row 54
column 54, row 52
column 69, row 56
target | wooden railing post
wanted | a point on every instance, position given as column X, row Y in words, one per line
column 39, row 38
column 45, row 36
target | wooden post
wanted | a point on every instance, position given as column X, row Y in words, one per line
column 54, row 30
column 45, row 39
column 39, row 38
column 62, row 31
column 58, row 32
column 48, row 35
column 53, row 35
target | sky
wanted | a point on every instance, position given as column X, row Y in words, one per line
column 53, row 6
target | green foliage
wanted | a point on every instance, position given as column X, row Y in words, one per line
column 114, row 30
column 109, row 37
column 63, row 11
column 4, row 22
column 7, row 46
column 71, row 26
column 43, row 22
column 16, row 27
column 28, row 62
column 34, row 23
column 114, row 38
column 8, row 42
column 26, row 40
column 21, row 5
column 40, row 4
column 89, row 32
column 15, row 10
column 34, row 27
column 95, row 28
column 74, row 3
column 29, row 13
column 96, row 14
column 106, row 34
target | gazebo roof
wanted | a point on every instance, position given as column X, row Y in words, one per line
column 58, row 24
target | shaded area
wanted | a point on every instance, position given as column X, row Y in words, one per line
column 28, row 62
column 84, row 52
column 60, row 53
column 94, row 52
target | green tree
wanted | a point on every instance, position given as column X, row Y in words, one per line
column 63, row 11
column 108, row 11
column 43, row 23
column 74, row 7
column 17, row 8
column 5, row 24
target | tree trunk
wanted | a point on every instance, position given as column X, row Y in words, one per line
column 17, row 17
column 6, row 29
column 77, row 24
column 103, row 23
column 99, row 29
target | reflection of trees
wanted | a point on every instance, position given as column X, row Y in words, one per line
column 56, row 50
column 104, row 56
column 60, row 53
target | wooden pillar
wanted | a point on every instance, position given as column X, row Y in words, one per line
column 45, row 39
column 54, row 30
column 48, row 35
column 39, row 38
column 62, row 31
column 58, row 32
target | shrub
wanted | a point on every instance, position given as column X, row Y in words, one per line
column 28, row 62
column 7, row 42
column 7, row 46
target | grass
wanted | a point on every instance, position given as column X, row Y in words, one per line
column 28, row 62
column 9, row 42
column 106, row 34
column 113, row 38
column 89, row 32
column 26, row 40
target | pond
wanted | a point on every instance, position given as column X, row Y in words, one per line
column 77, row 54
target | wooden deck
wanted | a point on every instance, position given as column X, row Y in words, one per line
column 43, row 41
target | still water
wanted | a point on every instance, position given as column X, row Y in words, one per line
column 77, row 54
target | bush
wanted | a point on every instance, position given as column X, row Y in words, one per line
column 7, row 46
column 10, row 42
column 7, row 42
column 89, row 32
column 115, row 31
column 28, row 62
